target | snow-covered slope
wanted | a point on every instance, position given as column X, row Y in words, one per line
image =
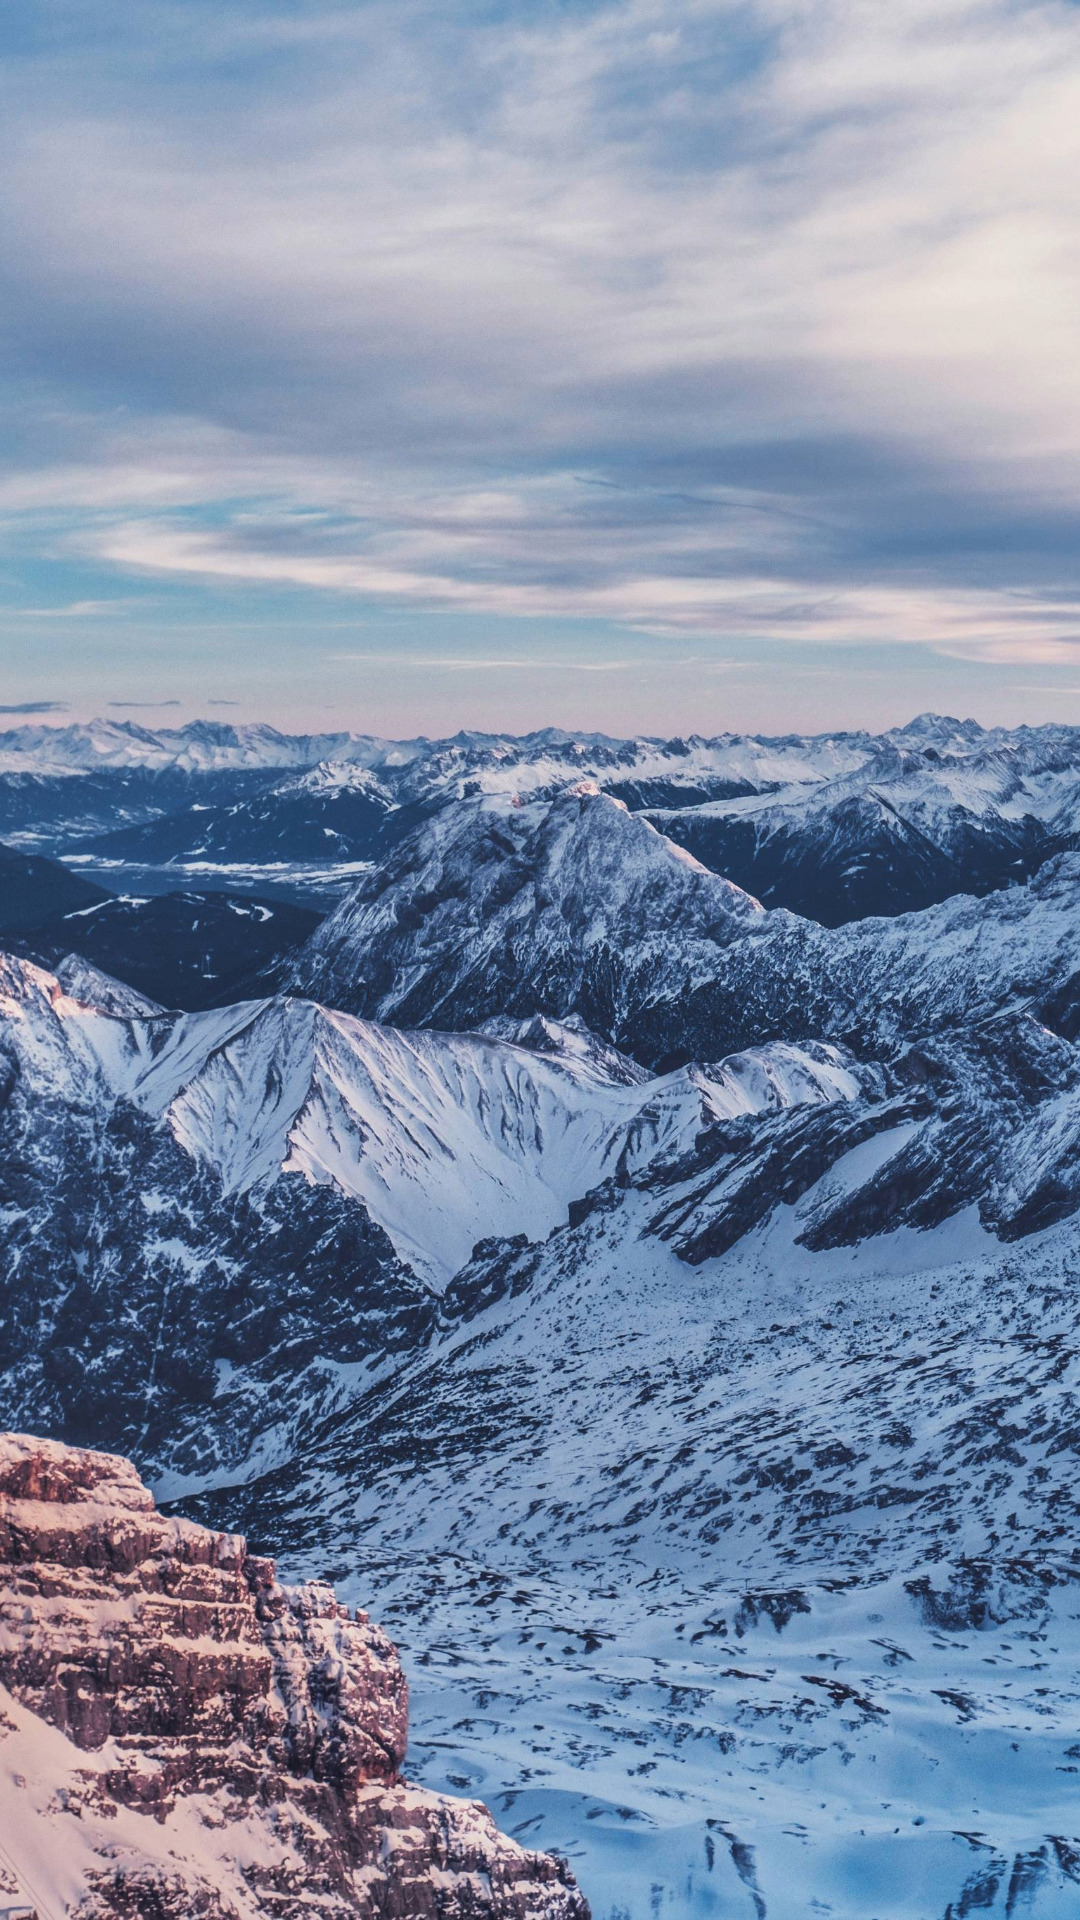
column 445, row 1139
column 751, row 1585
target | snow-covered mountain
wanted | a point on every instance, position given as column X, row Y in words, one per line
column 574, row 905
column 664, row 1303
column 203, row 746
column 499, row 906
column 503, row 762
column 225, row 1310
column 62, row 811
column 334, row 812
column 835, row 827
column 904, row 831
column 270, row 1196
column 641, row 771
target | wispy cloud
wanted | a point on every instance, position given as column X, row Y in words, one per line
column 73, row 610
column 469, row 663
column 35, row 706
column 985, row 623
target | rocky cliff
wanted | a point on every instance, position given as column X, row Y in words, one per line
column 180, row 1735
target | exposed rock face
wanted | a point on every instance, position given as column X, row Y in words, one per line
column 224, row 1746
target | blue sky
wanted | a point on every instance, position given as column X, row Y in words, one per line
column 674, row 365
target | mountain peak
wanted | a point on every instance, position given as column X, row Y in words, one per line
column 940, row 726
column 501, row 883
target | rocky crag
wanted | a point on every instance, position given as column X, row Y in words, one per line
column 180, row 1735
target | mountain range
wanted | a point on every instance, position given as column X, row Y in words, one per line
column 833, row 827
column 665, row 1298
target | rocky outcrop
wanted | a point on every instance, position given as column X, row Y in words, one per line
column 180, row 1735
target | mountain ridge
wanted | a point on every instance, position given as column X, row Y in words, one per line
column 573, row 905
column 837, row 827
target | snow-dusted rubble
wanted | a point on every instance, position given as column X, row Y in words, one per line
column 770, row 1566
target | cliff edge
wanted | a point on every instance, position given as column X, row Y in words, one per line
column 182, row 1736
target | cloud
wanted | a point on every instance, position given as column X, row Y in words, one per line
column 749, row 318
column 144, row 703
column 74, row 610
column 35, row 706
column 469, row 663
column 988, row 623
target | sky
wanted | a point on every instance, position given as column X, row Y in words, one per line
column 664, row 365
